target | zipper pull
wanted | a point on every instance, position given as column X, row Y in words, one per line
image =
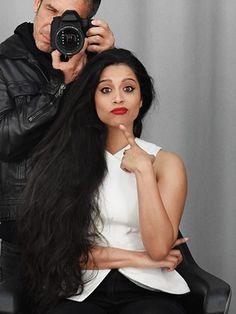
column 60, row 90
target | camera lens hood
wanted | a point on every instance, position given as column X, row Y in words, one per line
column 69, row 39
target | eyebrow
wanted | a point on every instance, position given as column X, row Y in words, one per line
column 49, row 6
column 126, row 79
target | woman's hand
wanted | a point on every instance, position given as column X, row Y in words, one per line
column 174, row 258
column 135, row 158
column 169, row 262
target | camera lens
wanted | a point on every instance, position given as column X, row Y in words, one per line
column 69, row 40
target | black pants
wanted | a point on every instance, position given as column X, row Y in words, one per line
column 118, row 295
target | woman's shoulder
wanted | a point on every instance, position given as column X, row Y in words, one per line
column 149, row 147
column 169, row 164
column 166, row 163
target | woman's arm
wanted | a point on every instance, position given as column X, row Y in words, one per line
column 161, row 191
column 162, row 186
column 109, row 257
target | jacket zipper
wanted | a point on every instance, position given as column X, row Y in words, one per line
column 38, row 113
column 58, row 94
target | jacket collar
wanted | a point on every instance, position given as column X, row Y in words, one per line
column 13, row 48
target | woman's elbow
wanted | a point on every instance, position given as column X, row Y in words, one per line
column 158, row 254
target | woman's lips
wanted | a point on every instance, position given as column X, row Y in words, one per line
column 119, row 111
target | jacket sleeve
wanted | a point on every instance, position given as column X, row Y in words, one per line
column 24, row 118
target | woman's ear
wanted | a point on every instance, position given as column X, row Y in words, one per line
column 141, row 103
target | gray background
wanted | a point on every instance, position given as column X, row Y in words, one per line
column 189, row 47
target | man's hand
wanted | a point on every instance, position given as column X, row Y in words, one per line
column 72, row 68
column 100, row 37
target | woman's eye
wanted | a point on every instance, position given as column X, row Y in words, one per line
column 128, row 89
column 106, row 90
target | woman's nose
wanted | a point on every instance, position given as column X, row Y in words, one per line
column 118, row 98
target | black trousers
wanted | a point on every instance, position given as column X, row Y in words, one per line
column 118, row 295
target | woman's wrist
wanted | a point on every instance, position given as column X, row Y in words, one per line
column 144, row 167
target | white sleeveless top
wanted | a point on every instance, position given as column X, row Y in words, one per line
column 119, row 210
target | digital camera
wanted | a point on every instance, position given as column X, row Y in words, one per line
column 68, row 32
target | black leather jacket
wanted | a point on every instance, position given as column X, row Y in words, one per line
column 29, row 101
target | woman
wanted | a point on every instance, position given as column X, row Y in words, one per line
column 103, row 206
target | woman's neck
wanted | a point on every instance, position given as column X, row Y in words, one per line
column 115, row 140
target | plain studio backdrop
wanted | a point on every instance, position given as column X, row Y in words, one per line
column 189, row 47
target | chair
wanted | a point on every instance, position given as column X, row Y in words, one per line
column 10, row 298
column 209, row 294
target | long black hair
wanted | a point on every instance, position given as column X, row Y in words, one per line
column 57, row 225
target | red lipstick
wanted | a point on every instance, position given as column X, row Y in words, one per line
column 119, row 111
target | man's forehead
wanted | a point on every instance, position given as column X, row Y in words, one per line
column 83, row 7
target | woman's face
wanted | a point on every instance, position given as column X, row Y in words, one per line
column 118, row 96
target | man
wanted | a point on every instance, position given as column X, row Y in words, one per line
column 32, row 81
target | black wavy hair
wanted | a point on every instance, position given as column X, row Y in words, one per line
column 58, row 223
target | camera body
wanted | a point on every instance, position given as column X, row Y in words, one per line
column 68, row 32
